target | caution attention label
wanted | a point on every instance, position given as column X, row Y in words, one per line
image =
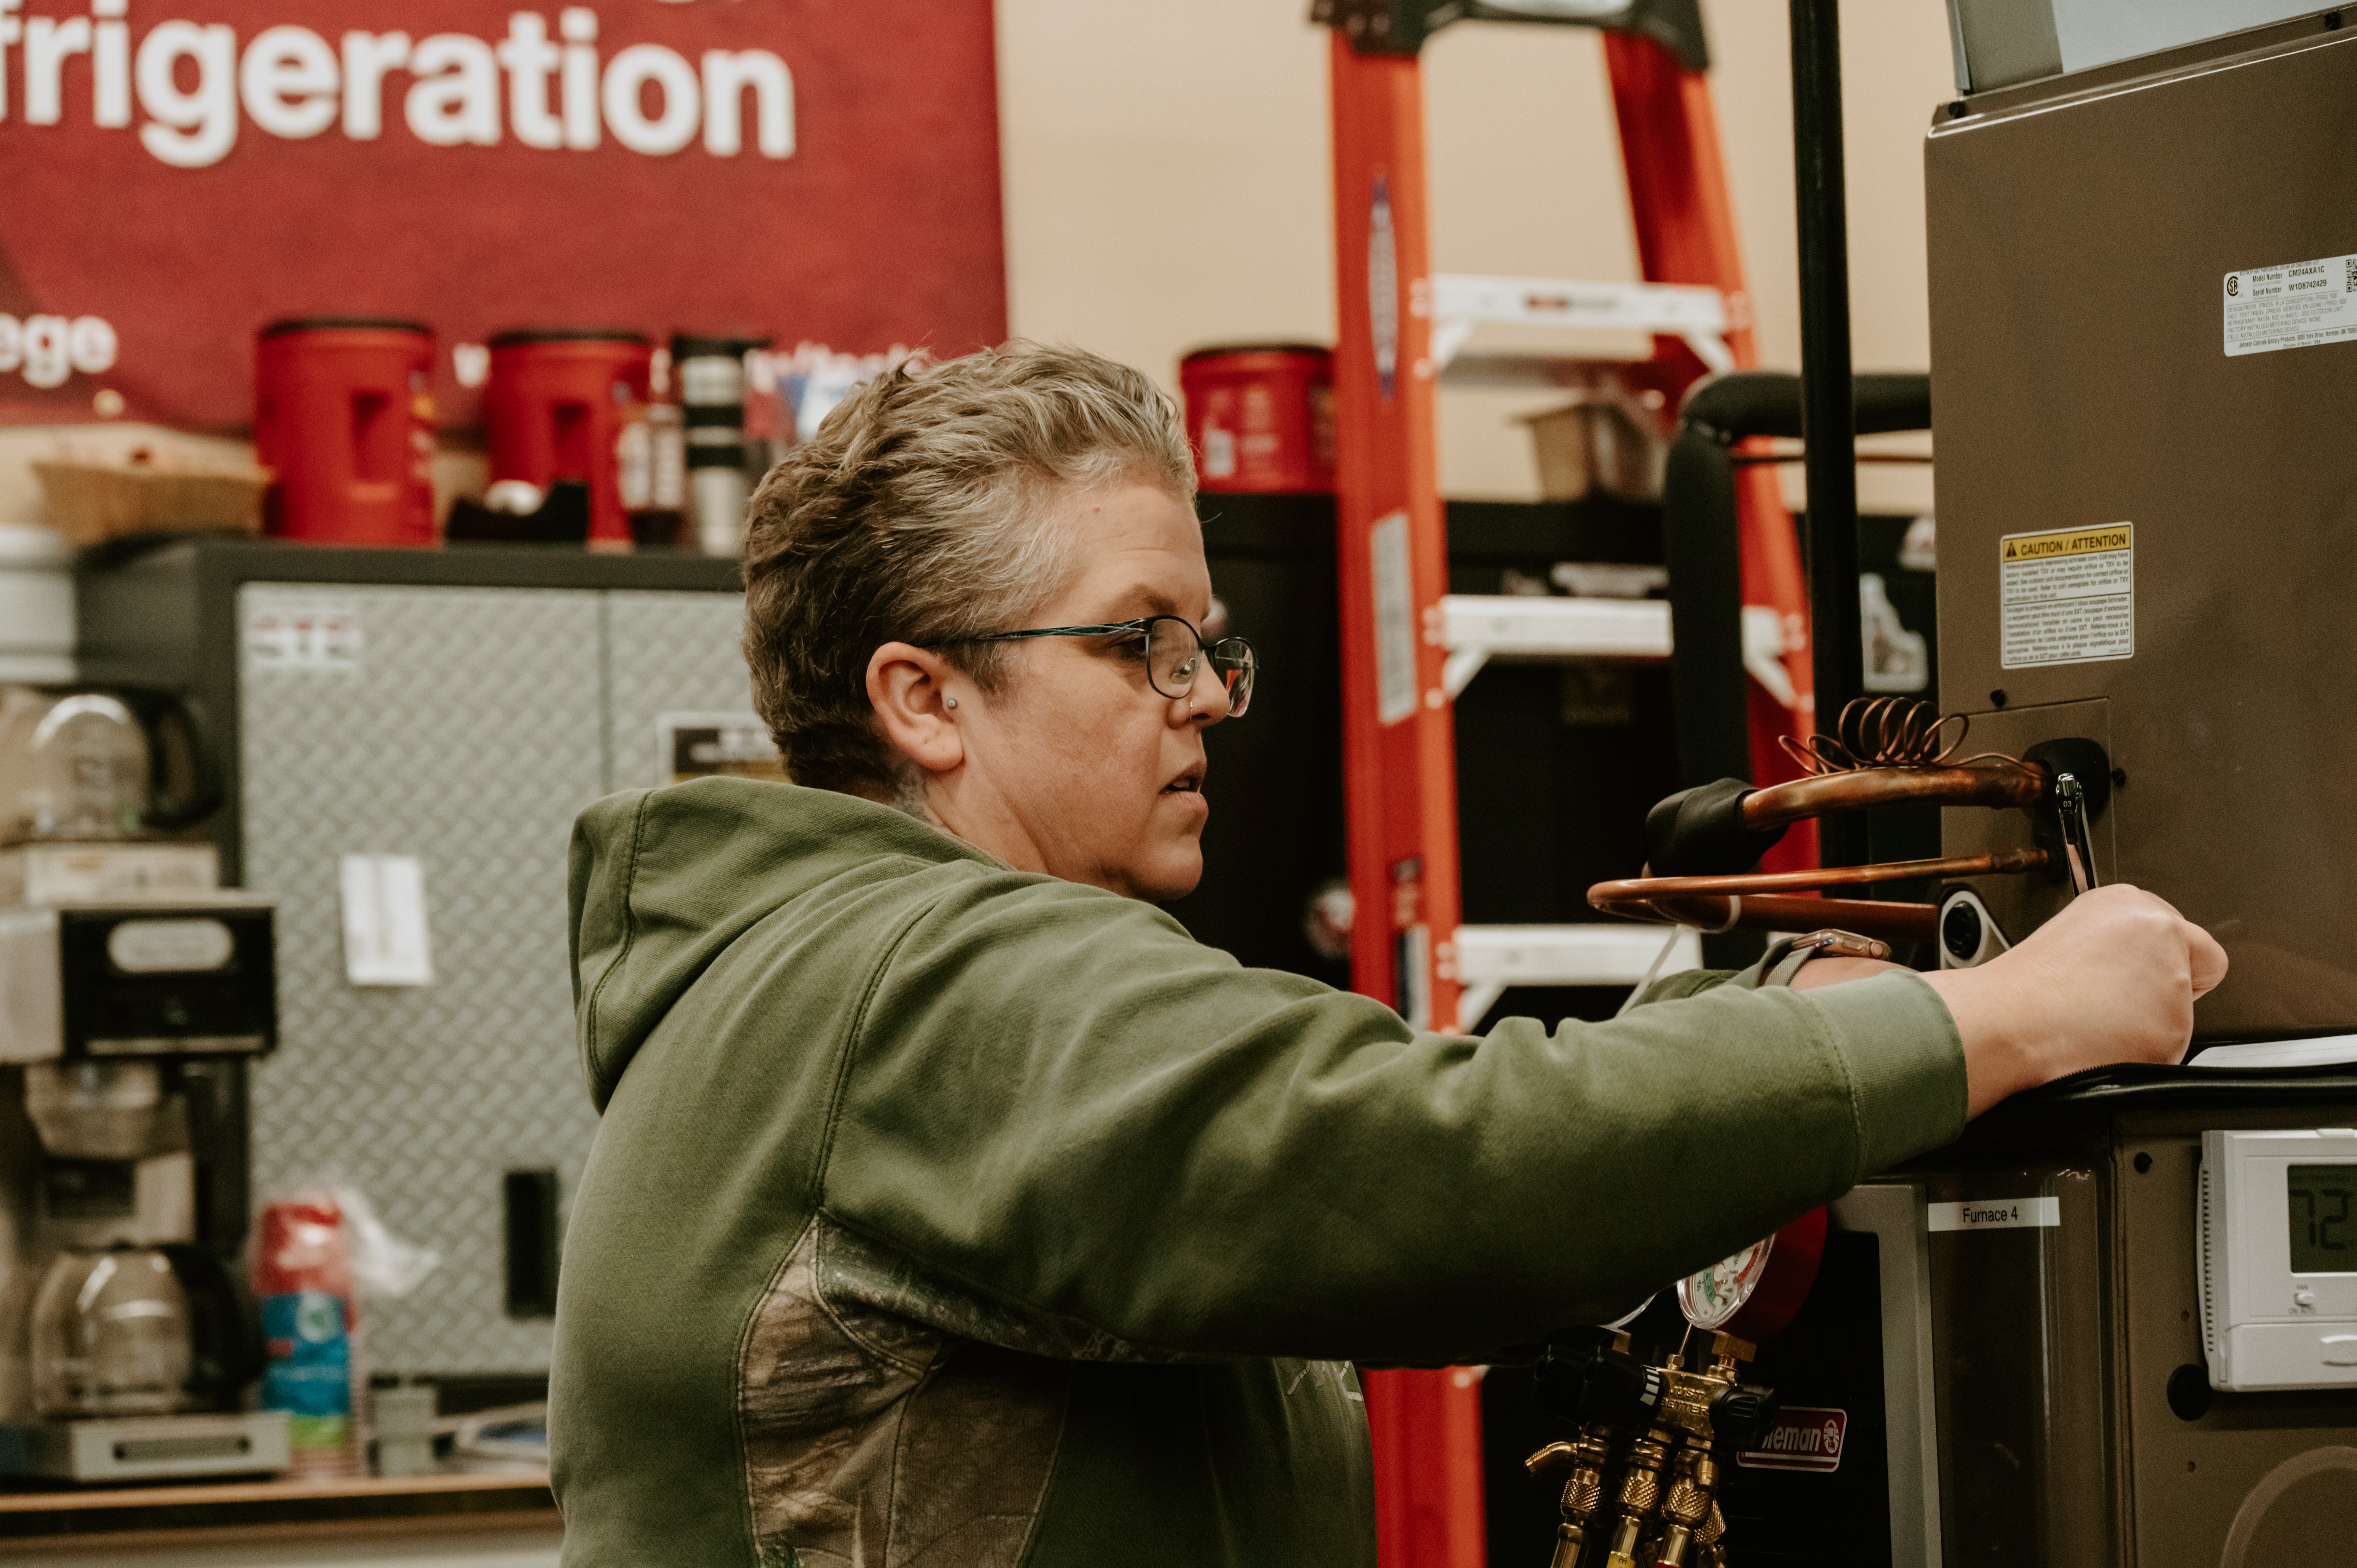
column 2067, row 598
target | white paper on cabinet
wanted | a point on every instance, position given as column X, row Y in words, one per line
column 386, row 940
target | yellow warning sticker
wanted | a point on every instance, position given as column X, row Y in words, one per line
column 2070, row 541
column 2067, row 597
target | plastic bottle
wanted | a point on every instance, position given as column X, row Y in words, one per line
column 303, row 1274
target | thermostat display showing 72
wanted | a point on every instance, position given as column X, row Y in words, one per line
column 2279, row 1226
column 2318, row 1199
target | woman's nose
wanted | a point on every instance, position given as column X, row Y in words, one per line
column 1207, row 694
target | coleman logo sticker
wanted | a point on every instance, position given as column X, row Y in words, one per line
column 1805, row 1437
column 2067, row 598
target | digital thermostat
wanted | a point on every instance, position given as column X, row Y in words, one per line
column 2278, row 1227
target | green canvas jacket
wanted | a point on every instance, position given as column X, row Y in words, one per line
column 945, row 1214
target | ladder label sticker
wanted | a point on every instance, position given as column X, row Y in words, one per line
column 1803, row 1437
column 1997, row 1213
column 2067, row 598
column 1394, row 621
column 2297, row 305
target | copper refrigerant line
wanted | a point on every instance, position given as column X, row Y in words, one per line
column 1641, row 1481
column 1884, row 751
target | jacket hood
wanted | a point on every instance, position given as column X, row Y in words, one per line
column 662, row 881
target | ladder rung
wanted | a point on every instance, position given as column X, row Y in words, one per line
column 1491, row 958
column 1477, row 628
column 1568, row 955
column 1565, row 302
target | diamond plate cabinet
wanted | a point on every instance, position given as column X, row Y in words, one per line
column 460, row 707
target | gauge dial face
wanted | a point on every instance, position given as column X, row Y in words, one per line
column 1710, row 1298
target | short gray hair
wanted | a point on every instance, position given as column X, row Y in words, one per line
column 922, row 512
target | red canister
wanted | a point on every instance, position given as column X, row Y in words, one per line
column 556, row 408
column 343, row 417
column 1260, row 417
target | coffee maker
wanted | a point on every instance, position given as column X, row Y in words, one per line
column 133, row 989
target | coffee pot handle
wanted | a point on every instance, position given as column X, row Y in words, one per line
column 184, row 772
column 225, row 1345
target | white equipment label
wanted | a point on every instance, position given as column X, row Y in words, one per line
column 2067, row 598
column 2295, row 306
column 1997, row 1213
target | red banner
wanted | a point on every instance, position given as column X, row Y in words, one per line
column 174, row 174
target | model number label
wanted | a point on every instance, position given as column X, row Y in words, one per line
column 2295, row 306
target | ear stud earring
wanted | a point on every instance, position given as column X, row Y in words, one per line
column 953, row 702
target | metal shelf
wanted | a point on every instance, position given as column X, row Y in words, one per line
column 1461, row 302
column 1477, row 627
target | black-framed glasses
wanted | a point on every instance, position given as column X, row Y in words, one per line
column 1171, row 649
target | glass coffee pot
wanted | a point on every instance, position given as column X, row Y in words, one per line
column 87, row 767
column 132, row 1317
column 111, row 1335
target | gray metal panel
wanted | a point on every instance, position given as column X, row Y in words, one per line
column 668, row 652
column 1893, row 1212
column 2000, row 42
column 469, row 736
column 2192, row 1482
column 2078, row 252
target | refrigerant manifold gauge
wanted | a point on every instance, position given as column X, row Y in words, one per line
column 1753, row 1294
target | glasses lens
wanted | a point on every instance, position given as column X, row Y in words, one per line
column 1171, row 651
column 1233, row 662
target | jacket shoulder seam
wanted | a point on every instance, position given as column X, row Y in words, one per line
column 824, row 1153
column 630, row 937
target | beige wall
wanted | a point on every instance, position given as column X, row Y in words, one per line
column 1168, row 183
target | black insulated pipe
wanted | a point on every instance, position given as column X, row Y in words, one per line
column 1702, row 541
column 1827, row 408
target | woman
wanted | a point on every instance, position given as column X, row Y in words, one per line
column 952, row 1206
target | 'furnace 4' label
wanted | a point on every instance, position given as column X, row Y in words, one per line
column 2067, row 598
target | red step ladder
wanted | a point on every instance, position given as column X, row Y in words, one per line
column 1398, row 734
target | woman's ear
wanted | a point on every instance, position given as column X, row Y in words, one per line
column 909, row 688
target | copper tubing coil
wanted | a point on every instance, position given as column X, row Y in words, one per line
column 2001, row 782
column 1703, row 901
column 1892, row 732
column 1885, row 751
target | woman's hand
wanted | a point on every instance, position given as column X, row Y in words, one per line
column 2112, row 978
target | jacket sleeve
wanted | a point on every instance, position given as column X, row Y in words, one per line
column 1057, row 1097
